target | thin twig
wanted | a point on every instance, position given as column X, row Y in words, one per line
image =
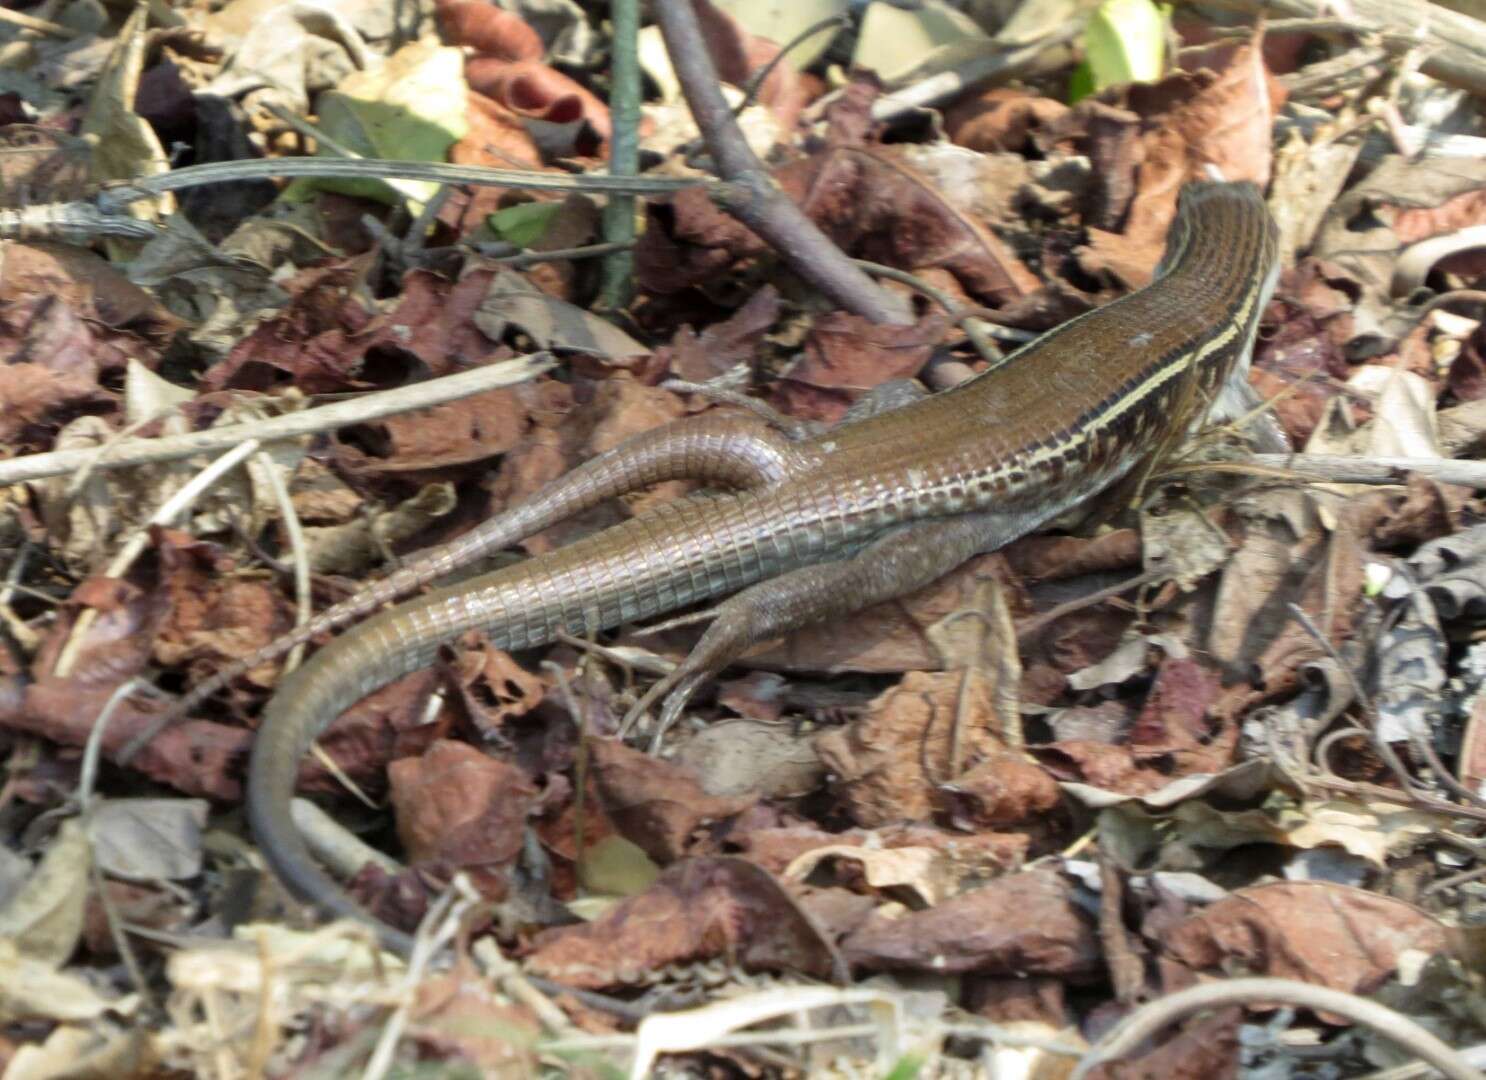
column 754, row 198
column 1149, row 1019
column 1447, row 299
column 586, row 251
column 366, row 407
column 756, row 81
column 978, row 71
column 298, row 548
column 40, row 26
column 1343, row 469
column 169, row 510
column 972, row 320
column 1031, row 626
column 617, row 284
column 114, row 197
column 1453, row 42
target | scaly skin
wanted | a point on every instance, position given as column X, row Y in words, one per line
column 862, row 512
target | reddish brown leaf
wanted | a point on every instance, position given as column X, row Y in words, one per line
column 1011, row 1000
column 31, row 394
column 1100, row 765
column 195, row 758
column 1005, row 790
column 311, row 342
column 655, row 804
column 701, row 909
column 892, row 762
column 1330, row 935
column 986, row 931
column 1000, row 119
column 488, row 30
column 458, row 806
column 495, row 688
column 873, row 204
column 1150, row 139
column 85, row 282
column 1205, row 1048
column 531, row 89
column 846, row 355
column 1174, row 719
column 455, row 433
column 737, row 54
column 699, row 357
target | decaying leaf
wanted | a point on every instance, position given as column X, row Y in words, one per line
column 700, row 909
column 44, row 918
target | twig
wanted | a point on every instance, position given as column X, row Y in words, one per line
column 1341, row 469
column 1447, row 299
column 1453, row 43
column 1394, row 1026
column 586, row 251
column 617, row 285
column 112, row 198
column 1031, row 626
column 1417, row 1070
column 758, row 78
column 41, row 26
column 980, row 330
column 979, row 70
column 306, row 422
column 169, row 510
column 1416, row 261
column 297, row 547
column 754, row 198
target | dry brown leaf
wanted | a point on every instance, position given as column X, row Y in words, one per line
column 737, row 55
column 734, row 757
column 455, row 433
column 845, row 356
column 696, row 911
column 657, row 805
column 1150, row 139
column 1002, row 791
column 488, row 30
column 1000, row 119
column 1330, row 935
column 986, row 931
column 698, row 357
column 461, row 807
column 33, row 396
column 871, row 202
column 976, row 856
column 85, row 282
column 891, row 763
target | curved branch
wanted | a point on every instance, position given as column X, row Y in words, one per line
column 1394, row 1026
column 757, row 201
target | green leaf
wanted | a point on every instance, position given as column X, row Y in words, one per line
column 1125, row 41
column 1080, row 83
column 525, row 223
column 411, row 108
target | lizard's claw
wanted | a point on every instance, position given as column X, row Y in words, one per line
column 729, row 636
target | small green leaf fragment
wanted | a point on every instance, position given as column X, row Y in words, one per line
column 525, row 223
column 1125, row 41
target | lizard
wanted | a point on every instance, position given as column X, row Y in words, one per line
column 807, row 529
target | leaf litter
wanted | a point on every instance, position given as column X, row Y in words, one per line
column 1228, row 724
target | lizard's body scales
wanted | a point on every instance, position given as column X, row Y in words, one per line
column 1059, row 420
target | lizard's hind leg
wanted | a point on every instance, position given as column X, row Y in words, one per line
column 899, row 562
